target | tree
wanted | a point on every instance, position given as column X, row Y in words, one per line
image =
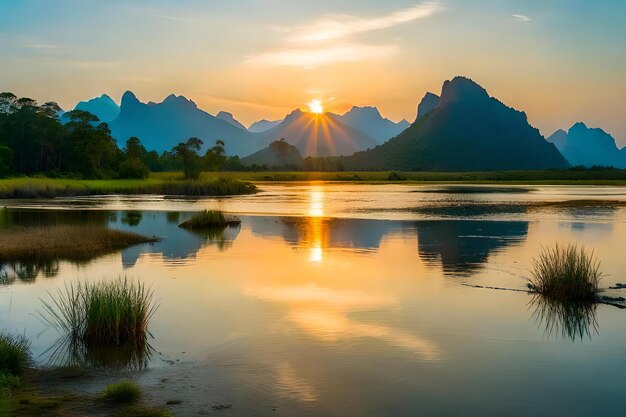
column 188, row 153
column 215, row 157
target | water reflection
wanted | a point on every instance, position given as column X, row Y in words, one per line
column 459, row 247
column 572, row 321
column 70, row 352
column 27, row 272
column 462, row 247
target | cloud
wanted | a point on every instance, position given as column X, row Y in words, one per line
column 326, row 55
column 336, row 27
column 522, row 18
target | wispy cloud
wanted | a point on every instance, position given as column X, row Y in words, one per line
column 335, row 27
column 327, row 40
column 522, row 18
column 316, row 57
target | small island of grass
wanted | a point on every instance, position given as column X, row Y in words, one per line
column 210, row 219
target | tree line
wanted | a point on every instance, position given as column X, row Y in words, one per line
column 34, row 140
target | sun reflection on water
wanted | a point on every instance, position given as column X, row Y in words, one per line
column 316, row 224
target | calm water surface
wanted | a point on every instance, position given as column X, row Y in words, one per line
column 352, row 300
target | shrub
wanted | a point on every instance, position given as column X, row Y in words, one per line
column 125, row 391
column 566, row 274
column 133, row 168
column 14, row 355
column 210, row 218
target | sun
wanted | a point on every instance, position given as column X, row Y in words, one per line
column 316, row 106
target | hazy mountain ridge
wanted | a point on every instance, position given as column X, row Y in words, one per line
column 278, row 154
column 369, row 120
column 263, row 125
column 588, row 147
column 103, row 107
column 228, row 117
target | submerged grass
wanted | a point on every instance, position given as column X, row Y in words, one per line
column 106, row 313
column 210, row 219
column 566, row 274
column 64, row 242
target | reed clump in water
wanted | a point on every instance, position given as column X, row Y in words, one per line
column 125, row 391
column 210, row 219
column 65, row 242
column 106, row 313
column 566, row 274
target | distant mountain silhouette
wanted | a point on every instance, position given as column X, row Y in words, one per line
column 466, row 131
column 319, row 135
column 103, row 107
column 428, row 104
column 278, row 154
column 228, row 117
column 160, row 126
column 370, row 121
column 588, row 147
column 263, row 125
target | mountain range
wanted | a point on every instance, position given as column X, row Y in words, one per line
column 463, row 128
column 466, row 130
column 584, row 146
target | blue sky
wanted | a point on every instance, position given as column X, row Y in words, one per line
column 560, row 61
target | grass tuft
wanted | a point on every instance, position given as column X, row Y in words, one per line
column 566, row 274
column 14, row 356
column 106, row 313
column 125, row 391
column 209, row 219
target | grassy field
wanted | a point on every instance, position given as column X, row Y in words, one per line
column 564, row 177
column 233, row 183
column 160, row 184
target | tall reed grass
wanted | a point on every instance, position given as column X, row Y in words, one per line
column 567, row 273
column 109, row 313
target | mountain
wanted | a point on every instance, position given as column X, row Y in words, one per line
column 319, row 135
column 228, row 117
column 263, row 125
column 428, row 103
column 103, row 107
column 588, row 147
column 160, row 126
column 369, row 120
column 279, row 154
column 467, row 130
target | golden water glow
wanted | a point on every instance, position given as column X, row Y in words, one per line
column 315, row 224
column 316, row 106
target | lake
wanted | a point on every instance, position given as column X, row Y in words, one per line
column 351, row 300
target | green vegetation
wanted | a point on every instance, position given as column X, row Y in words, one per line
column 566, row 274
column 159, row 184
column 540, row 177
column 106, row 313
column 125, row 391
column 14, row 356
column 64, row 242
column 143, row 411
column 210, row 219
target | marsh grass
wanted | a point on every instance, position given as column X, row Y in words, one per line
column 106, row 313
column 124, row 391
column 159, row 184
column 210, row 219
column 14, row 355
column 65, row 242
column 566, row 274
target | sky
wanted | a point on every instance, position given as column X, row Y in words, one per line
column 561, row 61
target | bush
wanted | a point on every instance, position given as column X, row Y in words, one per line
column 14, row 355
column 566, row 274
column 133, row 168
column 104, row 313
column 125, row 391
